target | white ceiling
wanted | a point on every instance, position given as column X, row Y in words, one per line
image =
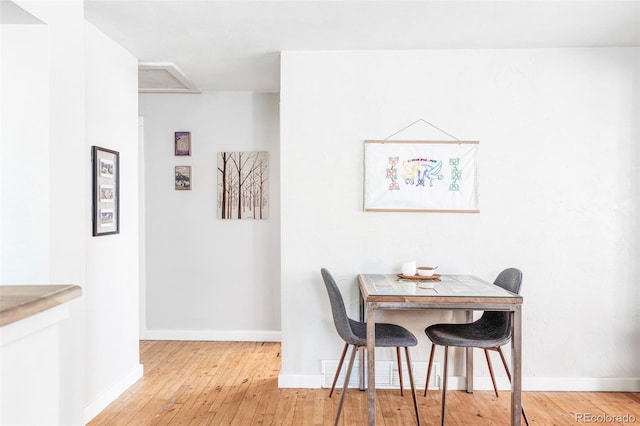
column 236, row 45
column 12, row 14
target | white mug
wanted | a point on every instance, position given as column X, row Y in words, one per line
column 409, row 268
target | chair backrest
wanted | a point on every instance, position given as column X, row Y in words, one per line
column 510, row 279
column 340, row 317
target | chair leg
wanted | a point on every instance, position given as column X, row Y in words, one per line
column 426, row 384
column 399, row 370
column 444, row 382
column 506, row 368
column 413, row 386
column 524, row 415
column 335, row 378
column 504, row 362
column 346, row 382
column 493, row 378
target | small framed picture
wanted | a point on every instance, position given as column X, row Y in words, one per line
column 182, row 143
column 106, row 201
column 183, row 178
column 107, row 194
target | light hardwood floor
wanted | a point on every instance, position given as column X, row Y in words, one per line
column 222, row 383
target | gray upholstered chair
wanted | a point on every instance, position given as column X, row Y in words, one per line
column 355, row 333
column 491, row 331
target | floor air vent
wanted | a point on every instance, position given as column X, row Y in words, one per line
column 386, row 374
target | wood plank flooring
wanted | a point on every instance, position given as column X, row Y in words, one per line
column 236, row 383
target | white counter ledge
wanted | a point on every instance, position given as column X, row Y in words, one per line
column 36, row 337
column 18, row 302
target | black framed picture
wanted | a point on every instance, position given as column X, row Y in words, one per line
column 106, row 191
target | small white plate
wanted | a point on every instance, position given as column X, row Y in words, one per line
column 426, row 284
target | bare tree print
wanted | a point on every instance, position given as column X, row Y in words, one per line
column 243, row 185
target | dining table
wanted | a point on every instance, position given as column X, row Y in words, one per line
column 445, row 292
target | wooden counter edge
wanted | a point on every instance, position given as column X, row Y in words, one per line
column 34, row 300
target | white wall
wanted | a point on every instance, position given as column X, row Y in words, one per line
column 112, row 282
column 207, row 278
column 558, row 132
column 42, row 198
column 76, row 88
column 24, row 212
column 28, row 379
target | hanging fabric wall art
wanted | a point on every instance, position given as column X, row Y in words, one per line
column 421, row 176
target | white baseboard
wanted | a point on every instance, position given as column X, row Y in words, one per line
column 581, row 384
column 94, row 408
column 214, row 335
column 529, row 384
column 313, row 381
column 299, row 381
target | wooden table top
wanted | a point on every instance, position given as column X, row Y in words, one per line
column 455, row 289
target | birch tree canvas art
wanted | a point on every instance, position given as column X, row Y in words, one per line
column 243, row 185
